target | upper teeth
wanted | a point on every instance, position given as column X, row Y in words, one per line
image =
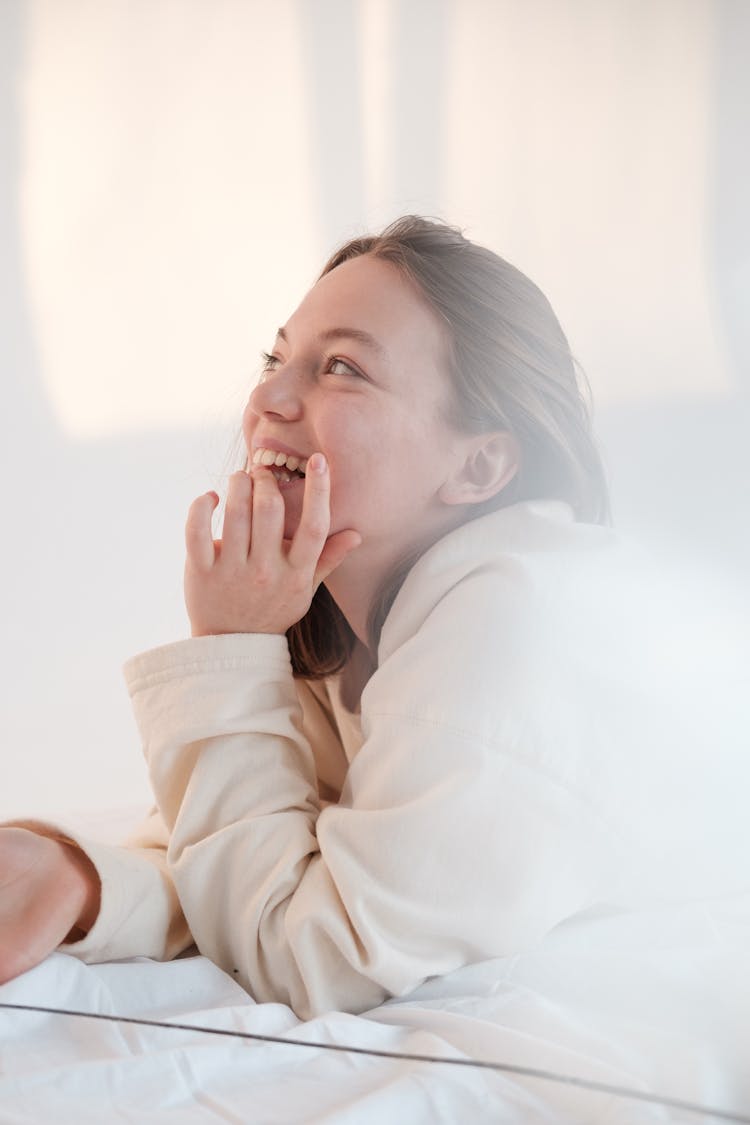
column 271, row 457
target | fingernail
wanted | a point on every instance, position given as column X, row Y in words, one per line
column 317, row 463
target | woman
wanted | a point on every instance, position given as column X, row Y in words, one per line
column 412, row 726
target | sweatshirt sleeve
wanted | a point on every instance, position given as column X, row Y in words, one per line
column 140, row 914
column 441, row 851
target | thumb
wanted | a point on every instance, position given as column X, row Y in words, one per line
column 336, row 549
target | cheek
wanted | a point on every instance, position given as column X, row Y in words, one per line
column 350, row 447
column 374, row 466
column 378, row 470
column 348, row 495
column 356, row 480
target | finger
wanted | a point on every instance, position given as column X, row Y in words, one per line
column 315, row 521
column 268, row 518
column 337, row 548
column 198, row 536
column 235, row 535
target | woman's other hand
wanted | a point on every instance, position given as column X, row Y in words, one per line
column 253, row 580
column 49, row 892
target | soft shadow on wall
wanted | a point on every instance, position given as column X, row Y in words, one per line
column 681, row 467
column 92, row 557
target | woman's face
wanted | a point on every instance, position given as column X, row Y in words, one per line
column 359, row 372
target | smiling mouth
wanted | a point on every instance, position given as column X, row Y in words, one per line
column 285, row 467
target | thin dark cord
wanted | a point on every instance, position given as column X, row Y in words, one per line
column 508, row 1068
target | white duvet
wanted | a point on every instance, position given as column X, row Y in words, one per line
column 659, row 1007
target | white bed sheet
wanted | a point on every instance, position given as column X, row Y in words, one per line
column 660, row 1005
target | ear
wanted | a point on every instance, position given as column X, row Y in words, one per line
column 490, row 462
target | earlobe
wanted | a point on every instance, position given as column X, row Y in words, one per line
column 491, row 463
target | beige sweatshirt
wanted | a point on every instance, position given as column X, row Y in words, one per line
column 512, row 766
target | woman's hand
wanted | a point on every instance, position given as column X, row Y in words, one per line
column 253, row 580
column 49, row 891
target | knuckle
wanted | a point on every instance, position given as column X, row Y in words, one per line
column 193, row 539
column 267, row 500
column 237, row 507
column 264, row 575
column 317, row 528
column 193, row 523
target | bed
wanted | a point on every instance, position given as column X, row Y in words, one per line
column 603, row 1023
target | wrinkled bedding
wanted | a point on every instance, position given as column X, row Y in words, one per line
column 659, row 1005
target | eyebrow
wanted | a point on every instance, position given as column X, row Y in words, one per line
column 343, row 333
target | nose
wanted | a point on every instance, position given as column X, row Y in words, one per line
column 278, row 396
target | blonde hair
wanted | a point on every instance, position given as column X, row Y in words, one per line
column 511, row 369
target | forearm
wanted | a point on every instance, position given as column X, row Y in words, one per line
column 231, row 767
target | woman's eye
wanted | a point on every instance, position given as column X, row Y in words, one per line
column 270, row 362
column 332, row 366
column 341, row 367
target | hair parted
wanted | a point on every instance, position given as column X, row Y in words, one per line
column 511, row 369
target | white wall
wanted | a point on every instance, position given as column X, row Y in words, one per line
column 174, row 174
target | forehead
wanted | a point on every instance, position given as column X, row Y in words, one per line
column 373, row 296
